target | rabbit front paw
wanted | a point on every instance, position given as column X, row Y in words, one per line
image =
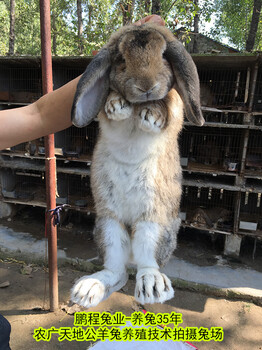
column 117, row 108
column 91, row 290
column 152, row 286
column 152, row 119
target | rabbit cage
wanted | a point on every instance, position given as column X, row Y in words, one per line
column 221, row 162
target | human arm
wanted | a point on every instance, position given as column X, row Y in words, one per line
column 49, row 114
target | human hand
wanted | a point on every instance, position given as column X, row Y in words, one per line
column 152, row 18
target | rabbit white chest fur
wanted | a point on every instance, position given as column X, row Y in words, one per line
column 130, row 164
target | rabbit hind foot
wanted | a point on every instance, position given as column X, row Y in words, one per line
column 152, row 286
column 90, row 290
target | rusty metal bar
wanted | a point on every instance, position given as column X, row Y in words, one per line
column 50, row 161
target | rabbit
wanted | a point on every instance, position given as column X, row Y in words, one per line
column 140, row 83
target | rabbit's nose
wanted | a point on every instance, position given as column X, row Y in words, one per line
column 147, row 91
column 151, row 91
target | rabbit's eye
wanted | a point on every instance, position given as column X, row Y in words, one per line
column 164, row 57
column 122, row 67
column 120, row 59
column 120, row 63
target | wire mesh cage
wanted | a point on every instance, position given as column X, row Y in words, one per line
column 26, row 186
column 31, row 148
column 62, row 75
column 206, row 179
column 29, row 186
column 257, row 106
column 77, row 143
column 250, row 218
column 211, row 149
column 257, row 119
column 20, row 84
column 75, row 190
column 224, row 87
column 254, row 153
column 208, row 207
column 222, row 117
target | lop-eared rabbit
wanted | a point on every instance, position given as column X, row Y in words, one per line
column 140, row 83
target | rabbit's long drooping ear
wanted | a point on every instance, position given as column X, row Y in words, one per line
column 187, row 80
column 92, row 90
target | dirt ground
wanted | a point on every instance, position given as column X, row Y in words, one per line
column 25, row 301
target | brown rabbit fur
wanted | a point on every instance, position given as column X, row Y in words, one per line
column 136, row 173
column 164, row 206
